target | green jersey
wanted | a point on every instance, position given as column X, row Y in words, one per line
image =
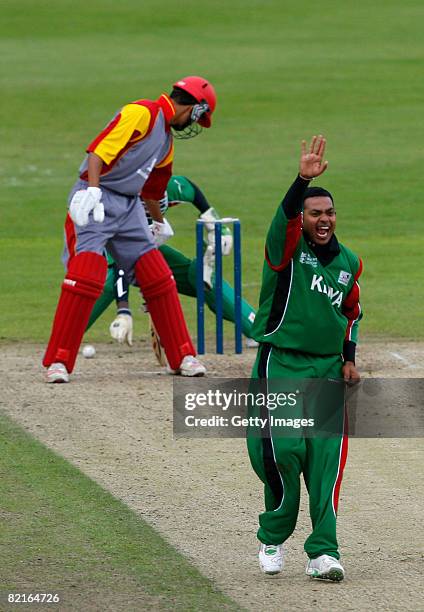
column 305, row 304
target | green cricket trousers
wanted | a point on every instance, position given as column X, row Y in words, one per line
column 279, row 460
column 184, row 271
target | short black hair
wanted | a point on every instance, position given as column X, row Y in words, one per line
column 182, row 97
column 317, row 192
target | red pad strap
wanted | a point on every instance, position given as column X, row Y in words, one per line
column 160, row 292
column 80, row 289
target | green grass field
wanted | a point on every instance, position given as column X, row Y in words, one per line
column 282, row 70
column 62, row 533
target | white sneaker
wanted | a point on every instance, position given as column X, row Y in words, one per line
column 190, row 366
column 326, row 568
column 250, row 343
column 57, row 373
column 271, row 558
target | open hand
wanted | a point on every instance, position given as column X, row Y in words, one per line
column 311, row 164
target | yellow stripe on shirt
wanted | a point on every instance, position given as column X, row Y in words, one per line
column 134, row 118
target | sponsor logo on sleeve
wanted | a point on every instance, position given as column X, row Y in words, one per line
column 344, row 277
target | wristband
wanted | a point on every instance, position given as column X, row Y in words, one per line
column 349, row 350
column 125, row 311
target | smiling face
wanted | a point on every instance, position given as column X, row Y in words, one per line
column 319, row 219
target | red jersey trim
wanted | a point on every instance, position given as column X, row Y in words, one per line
column 152, row 106
column 154, row 110
column 70, row 235
column 293, row 233
column 342, row 462
column 351, row 307
column 93, row 145
column 108, row 167
column 155, row 186
column 167, row 106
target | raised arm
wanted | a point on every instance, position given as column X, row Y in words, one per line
column 286, row 227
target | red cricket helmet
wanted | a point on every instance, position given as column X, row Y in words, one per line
column 202, row 90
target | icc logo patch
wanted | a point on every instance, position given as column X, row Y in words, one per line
column 344, row 277
column 306, row 258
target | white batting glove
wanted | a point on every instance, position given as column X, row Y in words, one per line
column 83, row 202
column 226, row 235
column 208, row 265
column 226, row 241
column 121, row 329
column 161, row 232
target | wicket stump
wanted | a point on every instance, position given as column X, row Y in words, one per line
column 200, row 286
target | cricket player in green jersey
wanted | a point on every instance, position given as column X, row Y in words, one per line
column 179, row 190
column 307, row 326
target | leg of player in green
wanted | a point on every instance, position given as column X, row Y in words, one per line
column 279, row 461
column 228, row 299
column 110, row 292
column 184, row 270
column 181, row 189
column 106, row 298
column 323, row 471
column 268, row 456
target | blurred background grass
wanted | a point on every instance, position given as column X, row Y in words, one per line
column 282, row 70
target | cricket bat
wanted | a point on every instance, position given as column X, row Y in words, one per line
column 156, row 345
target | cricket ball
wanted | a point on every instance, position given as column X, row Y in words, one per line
column 88, row 351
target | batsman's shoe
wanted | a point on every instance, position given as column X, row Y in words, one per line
column 190, row 366
column 271, row 558
column 57, row 373
column 326, row 568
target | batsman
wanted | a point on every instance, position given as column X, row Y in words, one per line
column 105, row 213
column 307, row 326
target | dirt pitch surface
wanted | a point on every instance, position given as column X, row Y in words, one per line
column 114, row 421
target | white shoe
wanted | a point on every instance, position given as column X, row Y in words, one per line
column 271, row 558
column 326, row 568
column 250, row 343
column 57, row 373
column 190, row 366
